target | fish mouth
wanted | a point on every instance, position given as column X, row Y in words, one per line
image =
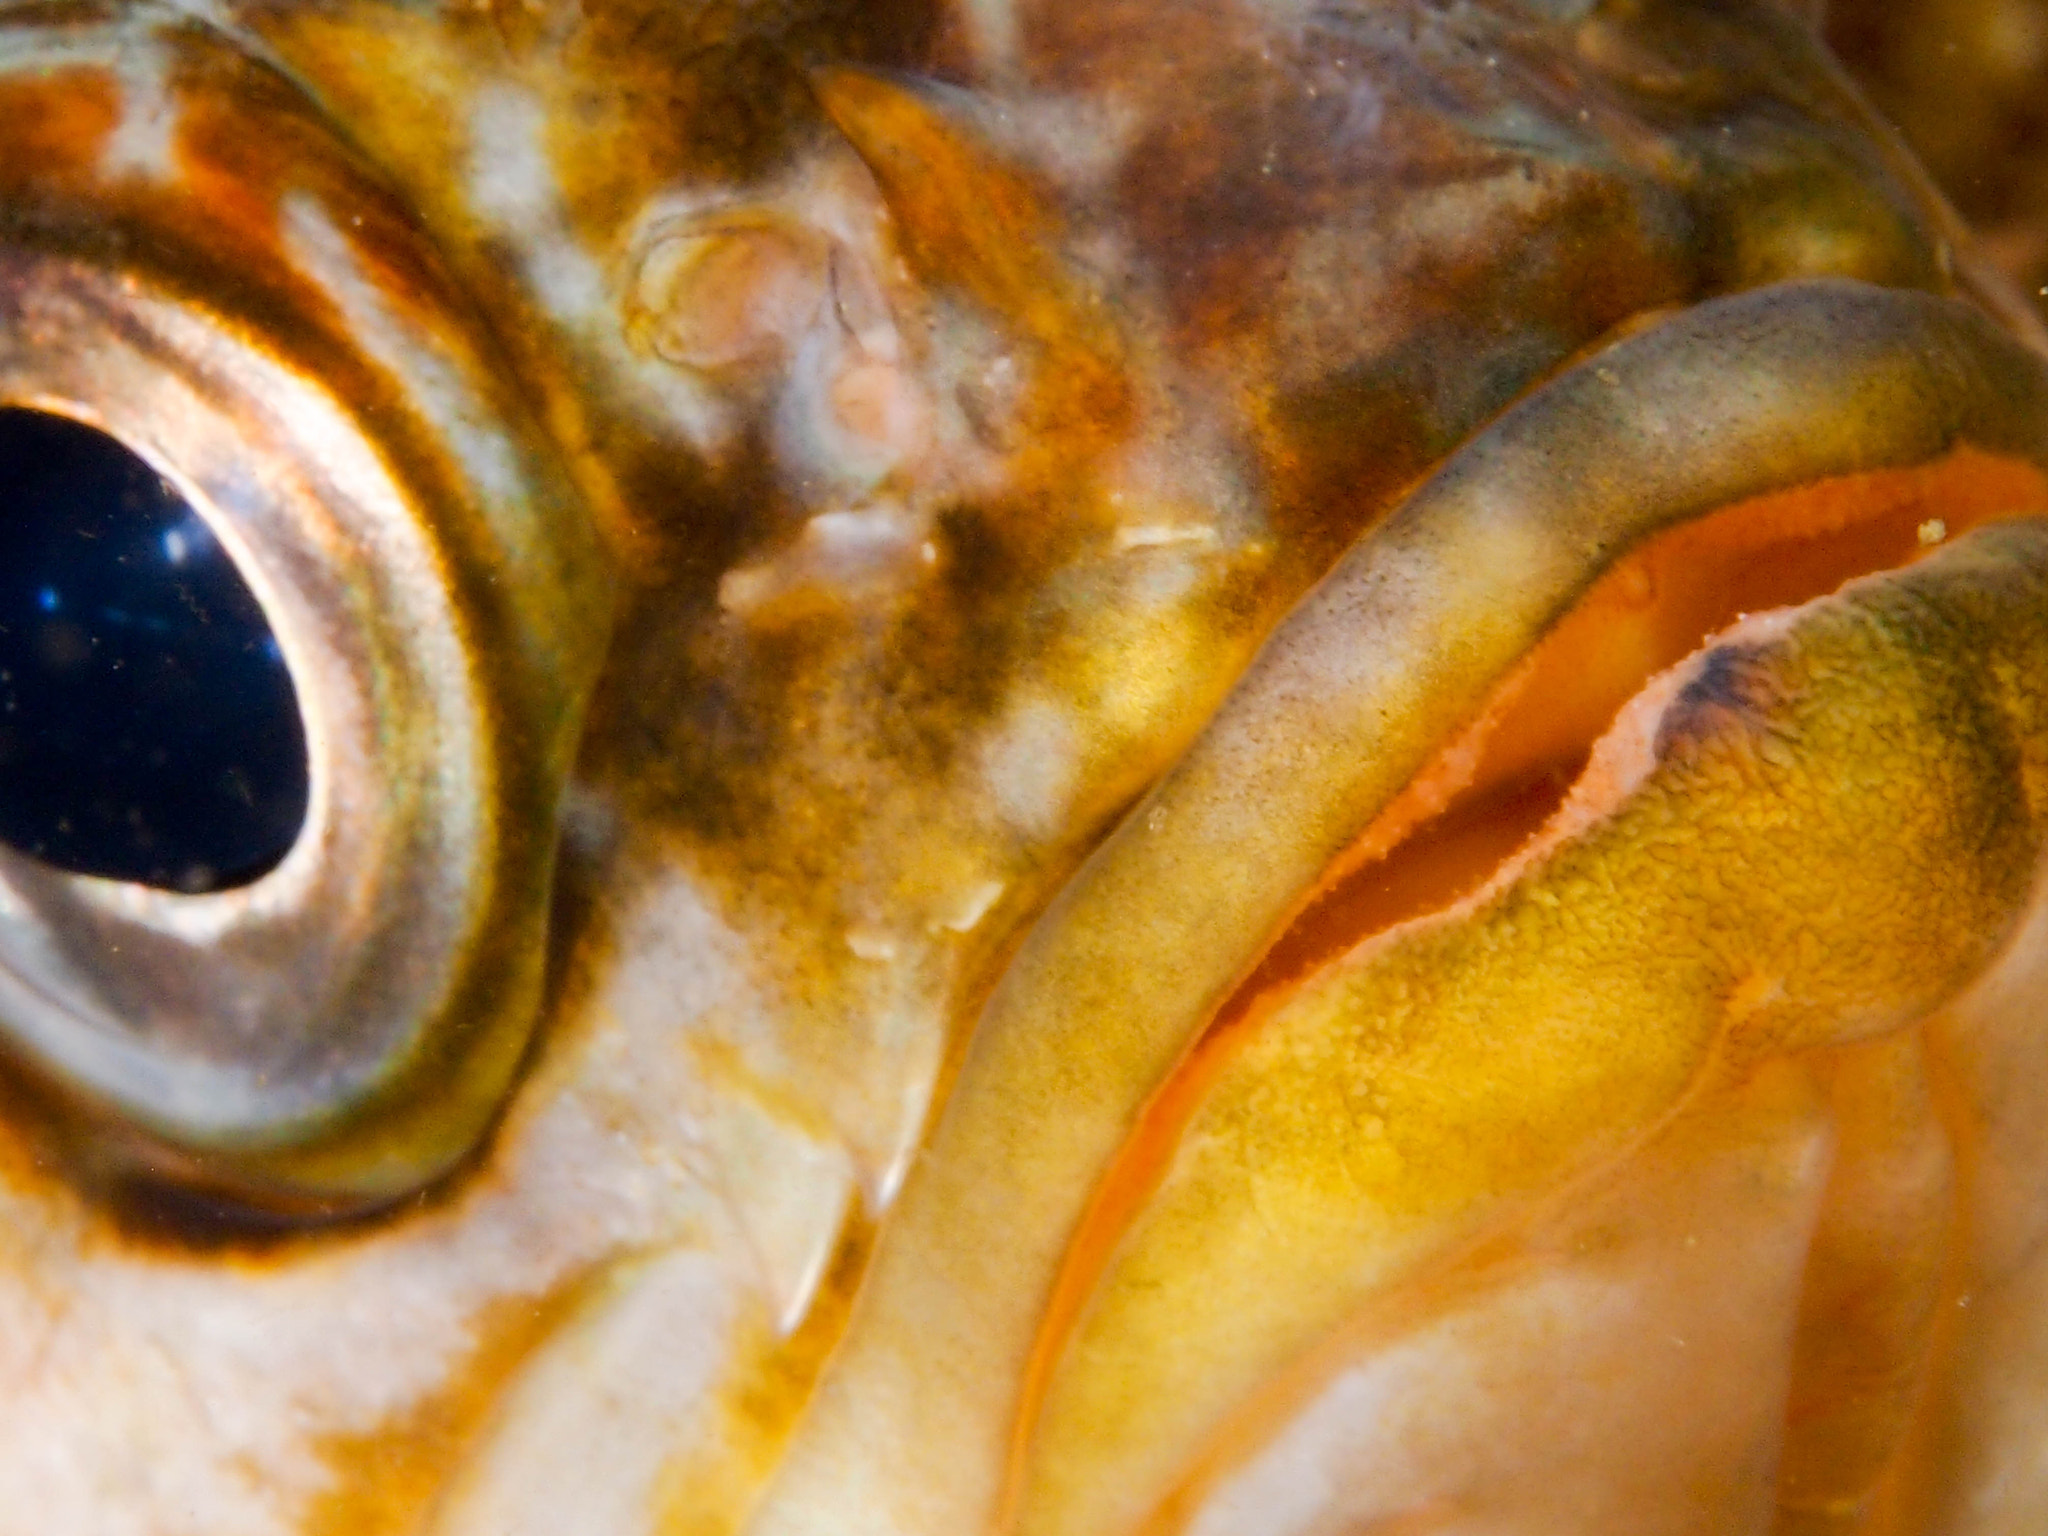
column 1421, row 745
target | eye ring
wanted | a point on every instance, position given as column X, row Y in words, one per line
column 341, row 1029
column 217, row 1021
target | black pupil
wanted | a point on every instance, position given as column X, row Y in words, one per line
column 149, row 730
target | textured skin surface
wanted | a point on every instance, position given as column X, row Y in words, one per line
column 987, row 518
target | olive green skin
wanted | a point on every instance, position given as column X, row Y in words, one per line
column 966, row 540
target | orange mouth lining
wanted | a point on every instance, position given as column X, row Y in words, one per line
column 1496, row 783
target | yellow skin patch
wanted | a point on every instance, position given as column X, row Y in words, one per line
column 1411, row 1096
column 962, row 540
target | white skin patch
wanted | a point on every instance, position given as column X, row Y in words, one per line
column 144, row 142
column 975, row 904
column 841, row 557
column 512, row 182
column 582, row 1438
column 1031, row 763
column 1159, row 535
column 176, row 1396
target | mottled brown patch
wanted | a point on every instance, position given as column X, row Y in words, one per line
column 58, row 122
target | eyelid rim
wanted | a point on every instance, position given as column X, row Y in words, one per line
column 442, row 664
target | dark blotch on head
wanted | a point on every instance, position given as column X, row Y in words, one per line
column 1731, row 688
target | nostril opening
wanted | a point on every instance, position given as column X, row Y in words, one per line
column 149, row 729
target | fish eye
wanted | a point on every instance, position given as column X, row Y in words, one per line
column 298, row 611
column 149, row 730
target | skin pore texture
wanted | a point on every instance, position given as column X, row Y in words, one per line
column 1234, row 767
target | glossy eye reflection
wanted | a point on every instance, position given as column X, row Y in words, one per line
column 149, row 730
